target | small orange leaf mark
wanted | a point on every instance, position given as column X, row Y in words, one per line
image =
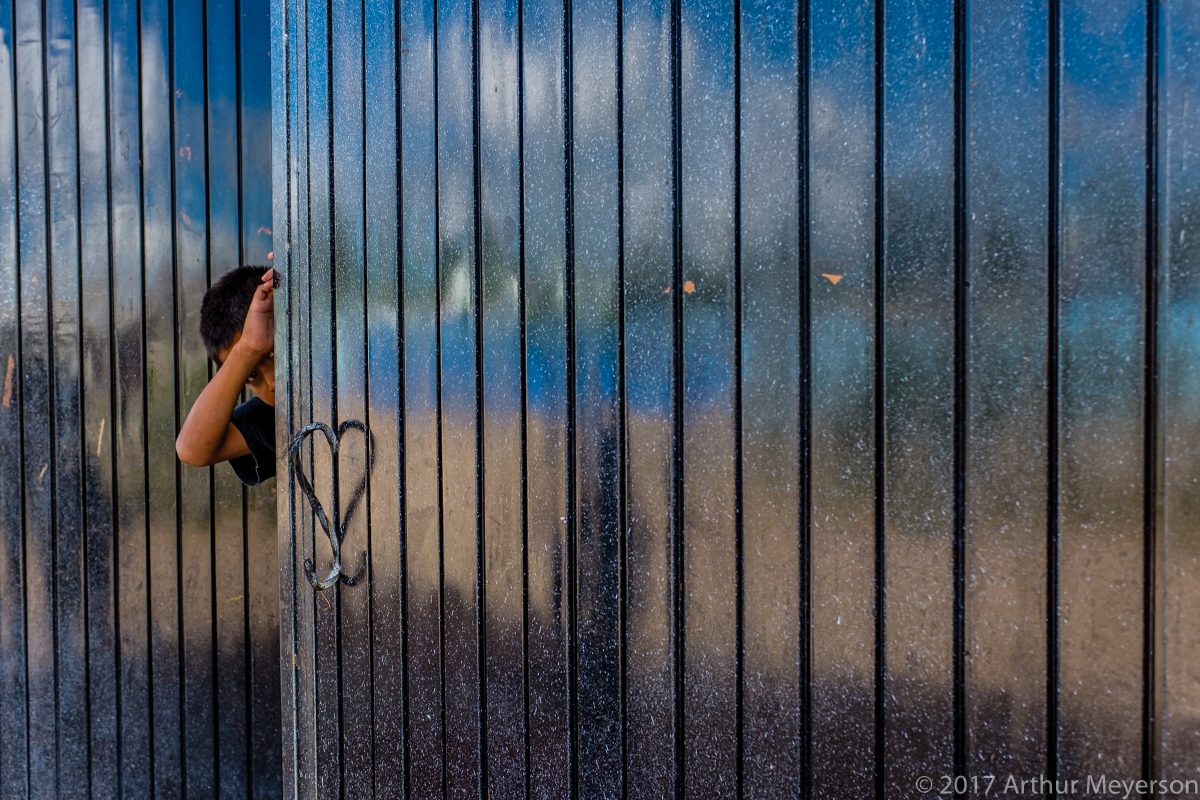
column 8, row 382
column 834, row 279
column 667, row 290
column 689, row 287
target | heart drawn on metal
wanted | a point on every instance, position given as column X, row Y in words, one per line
column 335, row 531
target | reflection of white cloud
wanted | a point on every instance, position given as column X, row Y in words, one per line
column 458, row 296
column 498, row 83
column 594, row 63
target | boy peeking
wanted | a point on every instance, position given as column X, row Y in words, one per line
column 237, row 324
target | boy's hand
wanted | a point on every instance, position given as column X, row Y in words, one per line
column 258, row 332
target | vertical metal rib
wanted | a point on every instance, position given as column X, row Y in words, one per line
column 1151, row 457
column 1054, row 250
column 880, row 482
column 961, row 277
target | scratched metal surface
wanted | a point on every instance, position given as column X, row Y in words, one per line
column 138, row 597
column 767, row 399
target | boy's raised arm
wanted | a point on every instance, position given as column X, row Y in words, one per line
column 207, row 437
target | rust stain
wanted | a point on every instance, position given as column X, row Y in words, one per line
column 689, row 287
column 834, row 279
column 667, row 290
column 8, row 378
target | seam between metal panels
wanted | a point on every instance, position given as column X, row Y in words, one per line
column 112, row 400
column 804, row 72
column 330, row 245
column 366, row 368
column 568, row 92
column 247, row 661
column 51, row 394
column 677, row 551
column 739, row 601
column 880, row 426
column 286, row 11
column 1054, row 247
column 149, row 589
column 82, row 421
column 307, row 340
column 1150, row 754
column 211, row 469
column 622, row 421
column 524, row 380
column 437, row 326
column 961, row 398
column 480, row 498
column 402, row 394
column 175, row 395
column 20, row 381
column 331, row 232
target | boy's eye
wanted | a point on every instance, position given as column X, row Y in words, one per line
column 252, row 377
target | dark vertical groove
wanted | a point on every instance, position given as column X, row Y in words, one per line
column 569, row 309
column 370, row 448
column 20, row 384
column 211, row 470
column 288, row 11
column 149, row 592
column 247, row 664
column 622, row 411
column 677, row 554
column 1150, row 456
column 803, row 70
column 83, row 476
column 112, row 404
column 1054, row 270
column 880, row 427
column 437, row 326
column 333, row 372
column 366, row 385
column 961, row 309
column 307, row 339
column 51, row 376
column 524, row 378
column 180, row 649
column 480, row 550
column 738, row 520
column 402, row 393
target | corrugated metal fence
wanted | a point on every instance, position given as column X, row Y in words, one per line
column 767, row 399
column 138, row 598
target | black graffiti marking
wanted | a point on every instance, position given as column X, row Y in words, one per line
column 337, row 531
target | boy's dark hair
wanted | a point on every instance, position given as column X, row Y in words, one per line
column 223, row 310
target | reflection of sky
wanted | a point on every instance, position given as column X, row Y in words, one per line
column 1101, row 134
